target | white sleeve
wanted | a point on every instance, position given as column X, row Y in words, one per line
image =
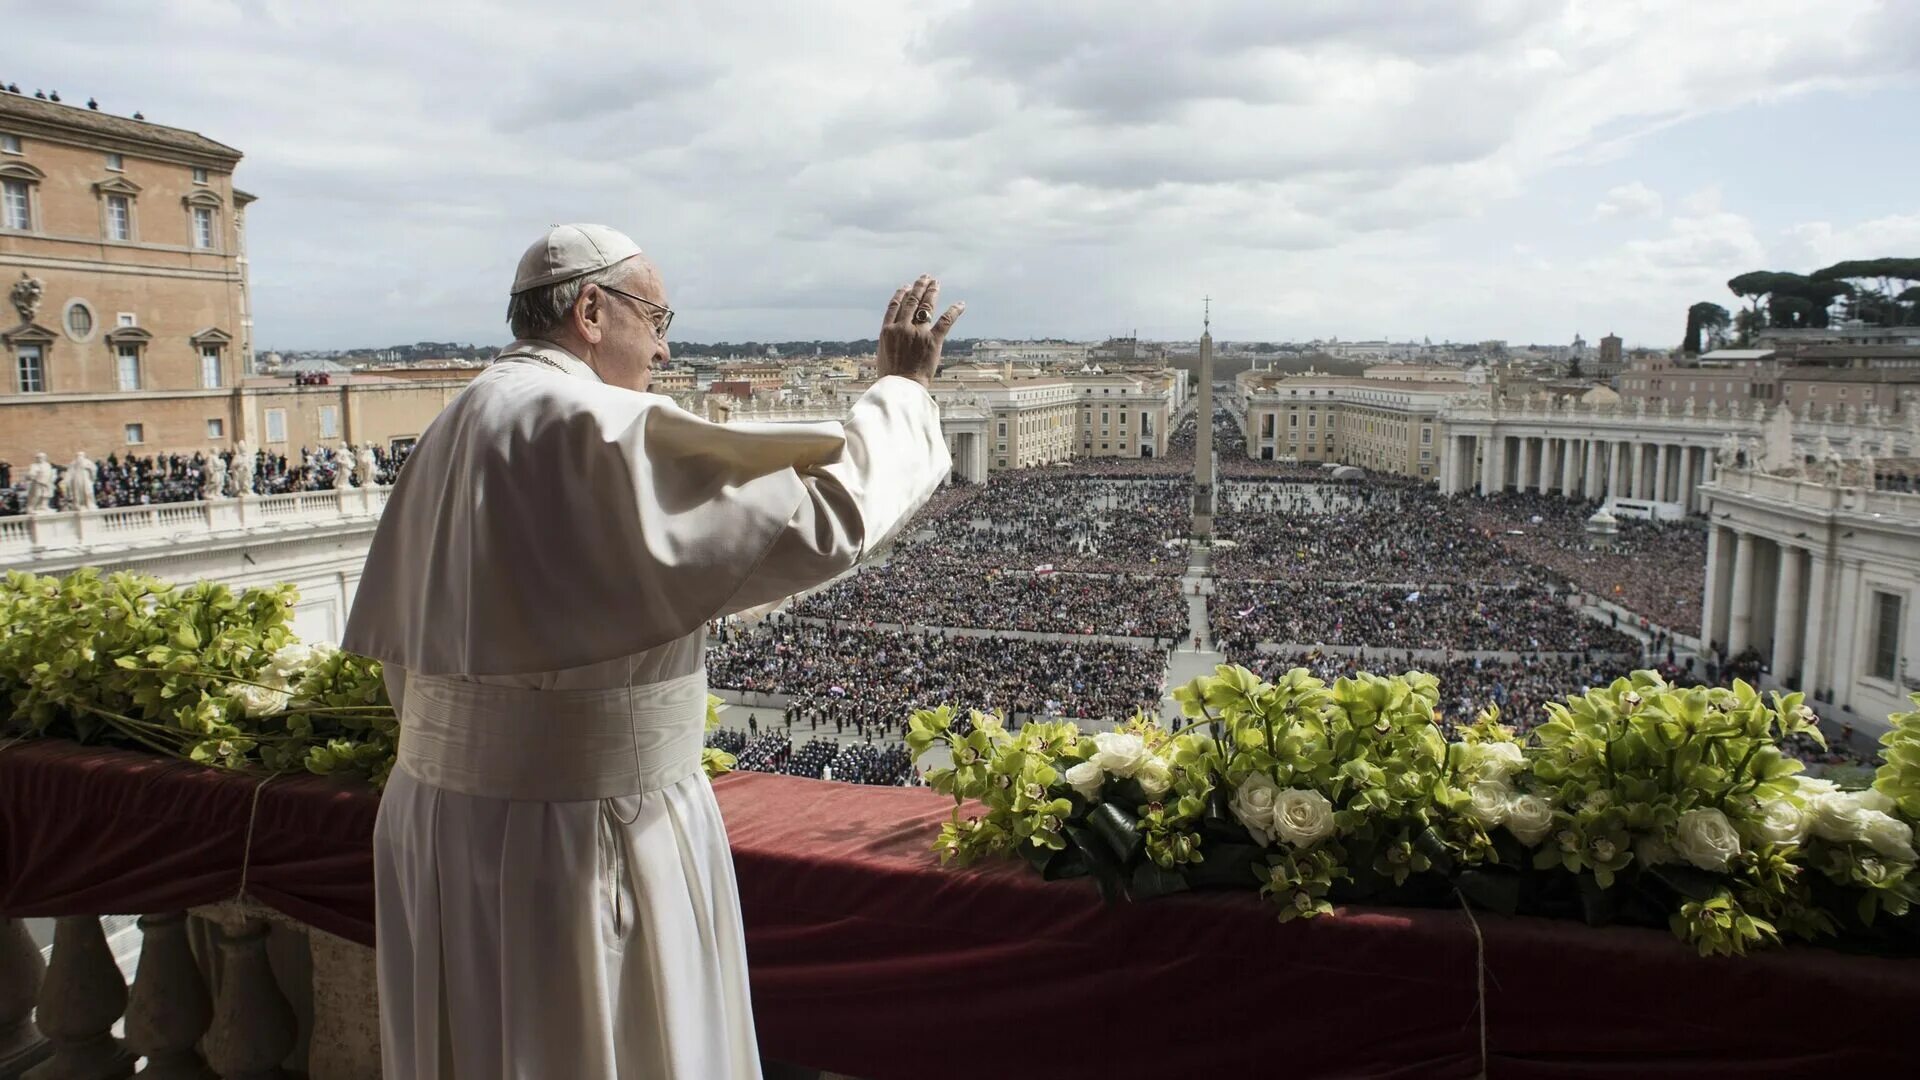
column 894, row 460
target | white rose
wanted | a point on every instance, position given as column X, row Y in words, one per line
column 260, row 700
column 1888, row 835
column 1811, row 786
column 1119, row 755
column 1498, row 760
column 321, row 650
column 290, row 659
column 1252, row 803
column 1837, row 816
column 1155, row 777
column 1302, row 817
column 1876, row 801
column 1705, row 838
column 1086, row 779
column 1487, row 802
column 1781, row 822
column 1529, row 818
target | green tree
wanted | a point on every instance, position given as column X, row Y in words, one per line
column 1787, row 300
column 1703, row 317
column 1880, row 291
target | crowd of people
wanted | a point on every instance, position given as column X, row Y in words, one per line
column 146, row 479
column 949, row 592
column 1655, row 568
column 887, row 765
column 1065, row 518
column 1383, row 532
column 872, row 679
column 1523, row 618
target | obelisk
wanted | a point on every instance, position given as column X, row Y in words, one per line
column 1203, row 439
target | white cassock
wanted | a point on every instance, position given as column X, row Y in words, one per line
column 555, row 894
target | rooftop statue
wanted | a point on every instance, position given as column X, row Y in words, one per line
column 40, row 480
column 80, row 477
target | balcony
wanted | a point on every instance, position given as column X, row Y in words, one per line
column 82, row 535
column 866, row 956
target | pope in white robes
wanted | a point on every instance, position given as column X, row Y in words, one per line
column 555, row 894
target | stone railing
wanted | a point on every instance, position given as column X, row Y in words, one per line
column 1839, row 425
column 1814, row 495
column 78, row 531
column 230, row 990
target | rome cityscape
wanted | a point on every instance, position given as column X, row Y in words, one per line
column 1689, row 475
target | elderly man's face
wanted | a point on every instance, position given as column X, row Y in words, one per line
column 626, row 346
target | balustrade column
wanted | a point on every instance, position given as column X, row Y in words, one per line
column 81, row 998
column 169, row 1009
column 21, row 972
column 1740, row 624
column 1787, row 617
column 253, row 1027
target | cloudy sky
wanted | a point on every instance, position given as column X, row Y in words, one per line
column 1459, row 170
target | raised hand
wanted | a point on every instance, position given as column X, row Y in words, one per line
column 910, row 337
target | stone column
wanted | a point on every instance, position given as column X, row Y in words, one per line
column 1543, row 480
column 253, row 1025
column 169, row 1009
column 1844, row 628
column 1569, row 467
column 1710, row 630
column 1617, row 472
column 1686, row 478
column 1660, row 493
column 1489, row 447
column 81, row 998
column 1523, row 468
column 1637, row 480
column 21, row 971
column 1817, row 621
column 1787, row 618
column 1596, row 483
column 1740, row 623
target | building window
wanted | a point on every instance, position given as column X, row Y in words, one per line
column 1003, row 429
column 1886, row 635
column 127, row 366
column 216, row 428
column 116, row 163
column 123, row 319
column 329, row 421
column 199, row 174
column 14, row 203
column 79, row 321
column 276, row 425
column 10, row 144
column 203, row 227
column 32, row 368
column 210, row 366
column 136, row 434
column 119, row 218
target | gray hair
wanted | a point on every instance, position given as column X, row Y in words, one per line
column 539, row 311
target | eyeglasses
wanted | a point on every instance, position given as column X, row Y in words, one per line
column 665, row 318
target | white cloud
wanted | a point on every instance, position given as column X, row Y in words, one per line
column 1071, row 168
column 1635, row 200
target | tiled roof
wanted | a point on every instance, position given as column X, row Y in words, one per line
column 30, row 109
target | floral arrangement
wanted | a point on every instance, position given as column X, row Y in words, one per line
column 1637, row 802
column 199, row 672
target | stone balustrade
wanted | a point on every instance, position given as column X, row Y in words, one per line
column 78, row 532
column 229, row 991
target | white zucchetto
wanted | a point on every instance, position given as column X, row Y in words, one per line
column 568, row 251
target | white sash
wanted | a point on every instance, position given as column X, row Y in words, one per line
column 552, row 745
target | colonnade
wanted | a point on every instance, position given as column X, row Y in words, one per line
column 1772, row 596
column 1576, row 466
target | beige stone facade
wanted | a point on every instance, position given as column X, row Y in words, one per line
column 1387, row 425
column 1121, row 415
column 122, row 247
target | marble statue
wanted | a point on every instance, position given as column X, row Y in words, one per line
column 1639, row 406
column 367, row 468
column 1776, row 448
column 26, row 294
column 80, row 477
column 1688, row 410
column 213, row 481
column 40, row 480
column 242, row 470
column 341, row 462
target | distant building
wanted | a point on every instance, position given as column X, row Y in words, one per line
column 1388, row 425
column 123, row 253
